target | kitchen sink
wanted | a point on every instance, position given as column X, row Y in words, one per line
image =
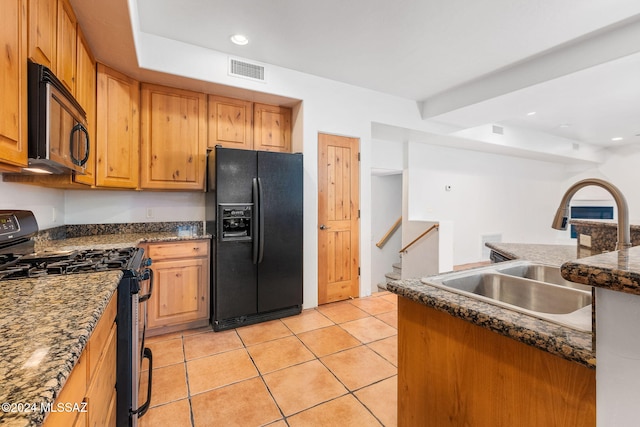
column 534, row 289
column 541, row 272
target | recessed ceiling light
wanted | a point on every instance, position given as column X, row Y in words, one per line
column 564, row 125
column 617, row 138
column 239, row 39
column 532, row 113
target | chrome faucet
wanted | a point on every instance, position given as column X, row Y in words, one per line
column 624, row 228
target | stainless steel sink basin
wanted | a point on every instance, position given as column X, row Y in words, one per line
column 542, row 273
column 530, row 288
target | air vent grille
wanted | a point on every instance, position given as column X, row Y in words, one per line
column 246, row 70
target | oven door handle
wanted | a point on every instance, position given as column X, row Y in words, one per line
column 143, row 408
column 147, row 275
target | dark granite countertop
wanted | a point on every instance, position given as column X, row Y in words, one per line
column 618, row 270
column 565, row 342
column 547, row 254
column 46, row 322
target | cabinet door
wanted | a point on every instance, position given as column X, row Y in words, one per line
column 180, row 292
column 86, row 96
column 13, row 83
column 271, row 128
column 66, row 46
column 173, row 138
column 118, row 126
column 42, row 32
column 230, row 122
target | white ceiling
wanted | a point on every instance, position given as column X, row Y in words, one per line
column 430, row 50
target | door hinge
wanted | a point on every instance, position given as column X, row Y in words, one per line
column 358, row 271
column 358, row 156
column 358, row 213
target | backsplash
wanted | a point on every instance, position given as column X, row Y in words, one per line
column 81, row 230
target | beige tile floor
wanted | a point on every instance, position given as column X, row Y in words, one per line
column 335, row 365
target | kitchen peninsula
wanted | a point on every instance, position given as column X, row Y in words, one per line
column 463, row 361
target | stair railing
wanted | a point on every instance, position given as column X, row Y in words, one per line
column 427, row 231
column 389, row 233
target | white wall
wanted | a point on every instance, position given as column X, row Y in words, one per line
column 490, row 194
column 90, row 207
column 46, row 204
column 386, row 208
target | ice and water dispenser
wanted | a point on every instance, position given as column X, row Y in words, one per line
column 235, row 221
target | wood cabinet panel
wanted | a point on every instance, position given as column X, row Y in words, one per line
column 86, row 96
column 179, row 294
column 66, row 45
column 173, row 138
column 271, row 128
column 230, row 122
column 453, row 373
column 118, row 127
column 102, row 386
column 42, row 32
column 195, row 248
column 73, row 392
column 13, row 84
column 180, row 297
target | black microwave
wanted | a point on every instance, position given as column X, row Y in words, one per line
column 58, row 137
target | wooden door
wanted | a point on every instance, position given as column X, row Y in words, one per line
column 66, row 46
column 338, row 218
column 230, row 122
column 271, row 128
column 118, row 128
column 42, row 32
column 86, row 96
column 13, row 83
column 173, row 138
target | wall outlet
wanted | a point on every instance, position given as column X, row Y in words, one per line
column 149, row 213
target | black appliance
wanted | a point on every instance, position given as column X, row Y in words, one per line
column 254, row 211
column 18, row 260
column 58, row 136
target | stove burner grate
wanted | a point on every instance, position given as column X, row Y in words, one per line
column 70, row 262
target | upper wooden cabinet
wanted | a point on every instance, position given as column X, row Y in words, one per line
column 66, row 45
column 173, row 138
column 13, row 84
column 230, row 122
column 271, row 128
column 86, row 96
column 42, row 32
column 117, row 131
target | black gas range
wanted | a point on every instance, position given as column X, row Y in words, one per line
column 19, row 260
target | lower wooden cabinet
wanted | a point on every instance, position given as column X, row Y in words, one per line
column 454, row 373
column 180, row 296
column 92, row 383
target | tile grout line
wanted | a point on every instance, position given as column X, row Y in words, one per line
column 186, row 373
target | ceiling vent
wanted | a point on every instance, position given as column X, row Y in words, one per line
column 246, row 70
column 499, row 130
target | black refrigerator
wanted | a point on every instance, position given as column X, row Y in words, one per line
column 254, row 211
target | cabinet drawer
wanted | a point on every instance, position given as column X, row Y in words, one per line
column 190, row 249
column 72, row 392
column 100, row 334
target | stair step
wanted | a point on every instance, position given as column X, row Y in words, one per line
column 392, row 276
column 397, row 267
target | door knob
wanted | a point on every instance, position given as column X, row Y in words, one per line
column 324, row 227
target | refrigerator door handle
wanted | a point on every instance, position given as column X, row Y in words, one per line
column 260, row 222
column 256, row 207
